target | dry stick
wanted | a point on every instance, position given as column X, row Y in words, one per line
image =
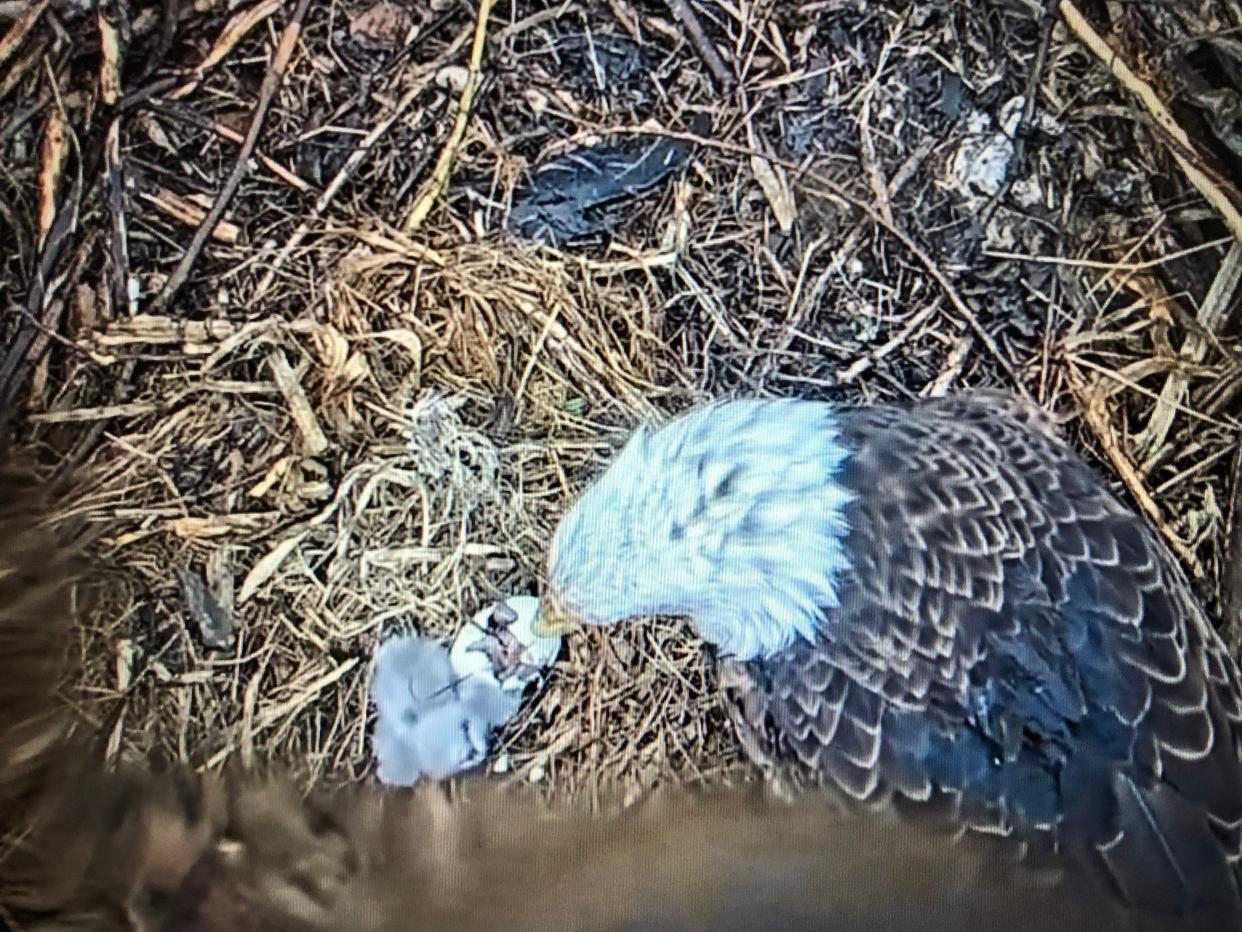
column 181, row 115
column 1233, row 559
column 1212, row 315
column 16, row 361
column 236, row 29
column 1034, row 79
column 702, row 42
column 120, row 228
column 272, row 714
column 275, row 73
column 346, row 172
column 1092, row 400
column 1181, row 147
column 273, row 166
column 950, row 292
column 10, row 41
column 313, row 440
column 444, row 164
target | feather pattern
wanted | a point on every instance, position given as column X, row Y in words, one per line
column 1010, row 635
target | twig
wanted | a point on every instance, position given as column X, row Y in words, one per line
column 17, row 359
column 304, row 695
column 1022, row 130
column 1232, row 583
column 702, row 42
column 1212, row 315
column 418, row 83
column 1092, row 400
column 952, row 294
column 444, row 165
column 236, row 29
column 275, row 73
column 188, row 213
column 109, row 57
column 186, row 116
column 863, row 363
column 1179, row 143
column 53, row 152
column 120, row 229
column 10, row 41
column 313, row 440
column 828, row 187
column 97, row 413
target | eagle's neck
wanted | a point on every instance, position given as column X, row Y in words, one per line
column 732, row 515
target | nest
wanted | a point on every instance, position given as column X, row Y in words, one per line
column 330, row 429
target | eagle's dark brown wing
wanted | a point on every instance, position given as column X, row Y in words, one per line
column 1013, row 641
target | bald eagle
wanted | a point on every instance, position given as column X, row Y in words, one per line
column 936, row 602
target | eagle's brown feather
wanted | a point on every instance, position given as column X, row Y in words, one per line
column 1014, row 641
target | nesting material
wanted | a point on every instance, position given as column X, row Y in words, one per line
column 436, row 711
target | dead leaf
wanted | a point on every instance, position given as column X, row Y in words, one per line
column 776, row 189
column 268, row 564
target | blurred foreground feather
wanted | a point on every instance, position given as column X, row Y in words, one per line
column 138, row 849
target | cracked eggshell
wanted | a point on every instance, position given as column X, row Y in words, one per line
column 538, row 652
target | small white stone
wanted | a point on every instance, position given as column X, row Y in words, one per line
column 453, row 77
column 537, row 773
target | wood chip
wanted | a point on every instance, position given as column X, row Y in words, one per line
column 313, row 440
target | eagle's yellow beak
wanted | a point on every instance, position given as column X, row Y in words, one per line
column 553, row 619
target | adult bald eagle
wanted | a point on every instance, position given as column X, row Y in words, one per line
column 90, row 845
column 936, row 601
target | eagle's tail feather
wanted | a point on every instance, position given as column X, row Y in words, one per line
column 1165, row 856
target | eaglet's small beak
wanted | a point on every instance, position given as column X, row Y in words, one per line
column 553, row 619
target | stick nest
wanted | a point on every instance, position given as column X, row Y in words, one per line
column 337, row 430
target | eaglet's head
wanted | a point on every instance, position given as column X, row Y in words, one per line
column 731, row 515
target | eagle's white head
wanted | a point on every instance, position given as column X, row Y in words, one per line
column 732, row 515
